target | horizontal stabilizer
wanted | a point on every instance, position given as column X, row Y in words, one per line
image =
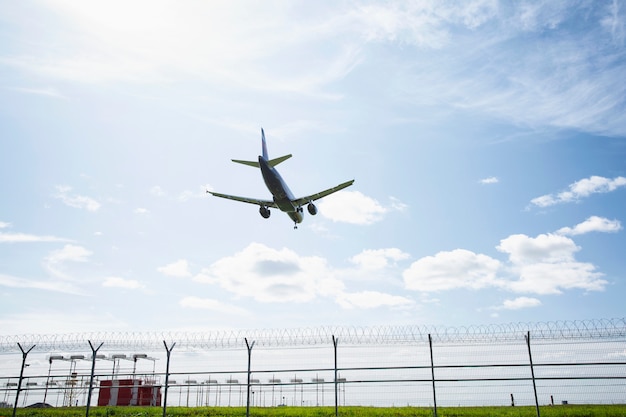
column 250, row 163
column 276, row 161
column 271, row 162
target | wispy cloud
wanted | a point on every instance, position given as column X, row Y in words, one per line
column 55, row 262
column 45, row 285
column 580, row 189
column 614, row 22
column 28, row 238
column 121, row 42
column 468, row 54
column 75, row 200
column 46, row 92
column 556, row 85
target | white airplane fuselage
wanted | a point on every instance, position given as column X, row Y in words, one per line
column 282, row 195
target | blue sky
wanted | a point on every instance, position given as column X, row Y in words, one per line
column 486, row 140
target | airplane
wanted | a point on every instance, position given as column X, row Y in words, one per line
column 283, row 198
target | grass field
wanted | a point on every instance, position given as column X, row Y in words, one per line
column 560, row 411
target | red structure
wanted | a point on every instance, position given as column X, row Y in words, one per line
column 128, row 392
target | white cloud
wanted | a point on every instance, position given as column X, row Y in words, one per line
column 372, row 299
column 178, row 269
column 580, row 189
column 372, row 259
column 549, row 248
column 212, row 305
column 546, row 265
column 519, row 303
column 554, row 278
column 459, row 268
column 352, row 207
column 117, row 282
column 270, row 275
column 141, row 211
column 489, row 180
column 4, row 225
column 74, row 200
column 592, row 224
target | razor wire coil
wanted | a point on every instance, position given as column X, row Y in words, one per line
column 314, row 336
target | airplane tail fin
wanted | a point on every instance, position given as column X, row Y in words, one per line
column 271, row 162
column 264, row 145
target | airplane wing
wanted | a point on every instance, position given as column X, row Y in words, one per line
column 304, row 200
column 266, row 203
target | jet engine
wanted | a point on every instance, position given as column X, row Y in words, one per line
column 265, row 212
column 312, row 209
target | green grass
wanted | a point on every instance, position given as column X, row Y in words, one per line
column 546, row 411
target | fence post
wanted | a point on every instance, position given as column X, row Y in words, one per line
column 249, row 346
column 19, row 384
column 432, row 372
column 93, row 369
column 168, row 350
column 532, row 372
column 335, row 341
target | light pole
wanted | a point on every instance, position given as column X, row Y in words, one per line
column 50, row 359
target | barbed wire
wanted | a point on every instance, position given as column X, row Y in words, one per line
column 318, row 336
